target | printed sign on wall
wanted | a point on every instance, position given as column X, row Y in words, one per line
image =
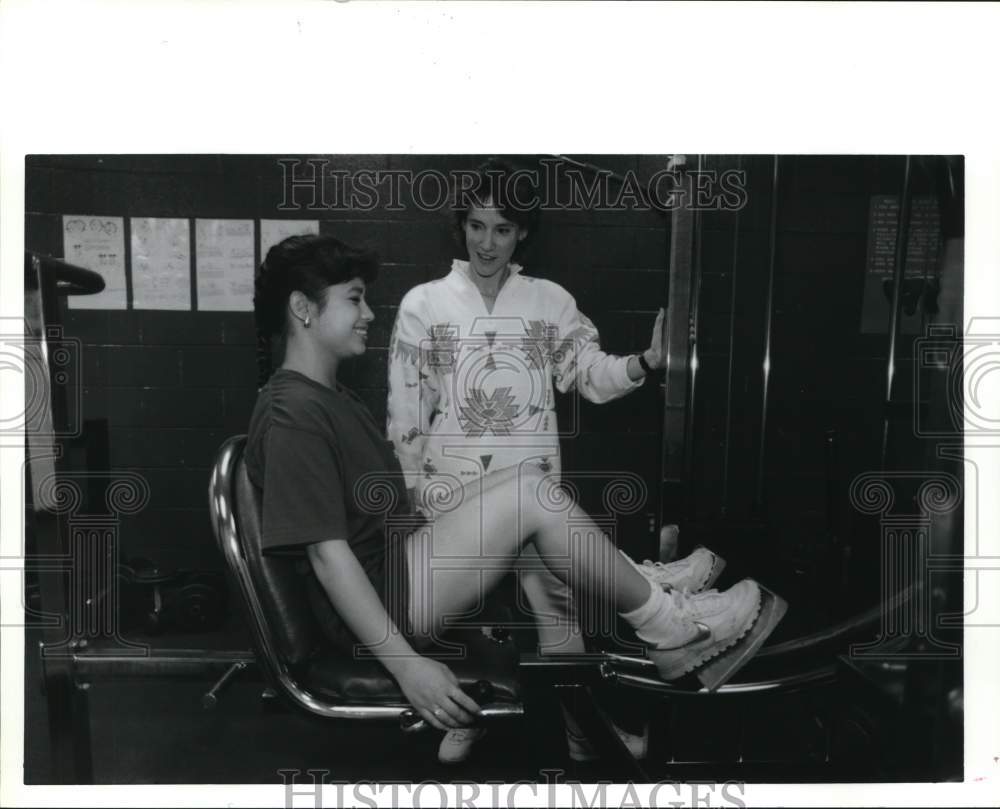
column 97, row 243
column 224, row 264
column 920, row 281
column 161, row 263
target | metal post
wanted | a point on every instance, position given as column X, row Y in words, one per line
column 769, row 315
column 678, row 346
column 732, row 347
column 694, row 295
column 69, row 720
column 902, row 240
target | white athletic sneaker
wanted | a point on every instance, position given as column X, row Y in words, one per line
column 457, row 744
column 581, row 749
column 695, row 572
column 704, row 625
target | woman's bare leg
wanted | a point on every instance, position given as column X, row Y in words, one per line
column 551, row 604
column 462, row 554
column 465, row 551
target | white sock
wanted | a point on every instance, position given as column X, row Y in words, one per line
column 658, row 621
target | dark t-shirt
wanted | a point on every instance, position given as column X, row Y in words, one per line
column 326, row 472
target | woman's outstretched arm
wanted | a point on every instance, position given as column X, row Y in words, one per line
column 426, row 683
column 579, row 363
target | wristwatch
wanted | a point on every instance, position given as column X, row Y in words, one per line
column 647, row 369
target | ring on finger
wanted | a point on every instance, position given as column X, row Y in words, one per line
column 438, row 712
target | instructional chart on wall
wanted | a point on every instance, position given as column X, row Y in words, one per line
column 97, row 243
column 161, row 264
column 225, row 269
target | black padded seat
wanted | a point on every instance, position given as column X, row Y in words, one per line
column 291, row 649
column 480, row 658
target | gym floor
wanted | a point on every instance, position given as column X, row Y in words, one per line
column 155, row 731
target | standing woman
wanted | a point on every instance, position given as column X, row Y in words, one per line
column 312, row 442
column 474, row 362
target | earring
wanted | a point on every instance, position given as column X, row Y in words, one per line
column 306, row 322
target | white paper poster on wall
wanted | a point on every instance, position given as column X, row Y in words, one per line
column 273, row 231
column 223, row 251
column 97, row 243
column 161, row 263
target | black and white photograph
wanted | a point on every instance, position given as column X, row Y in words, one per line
column 379, row 469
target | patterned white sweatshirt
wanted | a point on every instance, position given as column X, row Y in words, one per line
column 471, row 392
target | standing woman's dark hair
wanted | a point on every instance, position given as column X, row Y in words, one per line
column 495, row 184
column 308, row 264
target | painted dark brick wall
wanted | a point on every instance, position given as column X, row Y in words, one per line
column 826, row 376
column 173, row 385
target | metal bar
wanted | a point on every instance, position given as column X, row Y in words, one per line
column 694, row 297
column 70, row 748
column 83, row 755
column 677, row 358
column 818, row 676
column 172, row 663
column 411, row 722
column 769, row 317
column 570, row 669
column 211, row 699
column 902, row 240
column 67, row 705
column 732, row 347
column 664, row 340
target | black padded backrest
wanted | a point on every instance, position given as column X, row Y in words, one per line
column 278, row 583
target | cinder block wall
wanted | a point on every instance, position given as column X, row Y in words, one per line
column 173, row 385
column 826, row 376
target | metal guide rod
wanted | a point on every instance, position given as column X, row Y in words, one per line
column 195, row 663
column 677, row 343
column 769, row 317
column 693, row 300
column 902, row 239
column 732, row 348
column 810, row 678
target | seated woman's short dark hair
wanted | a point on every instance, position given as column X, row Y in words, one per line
column 308, row 264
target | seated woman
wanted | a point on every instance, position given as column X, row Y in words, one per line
column 313, row 446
